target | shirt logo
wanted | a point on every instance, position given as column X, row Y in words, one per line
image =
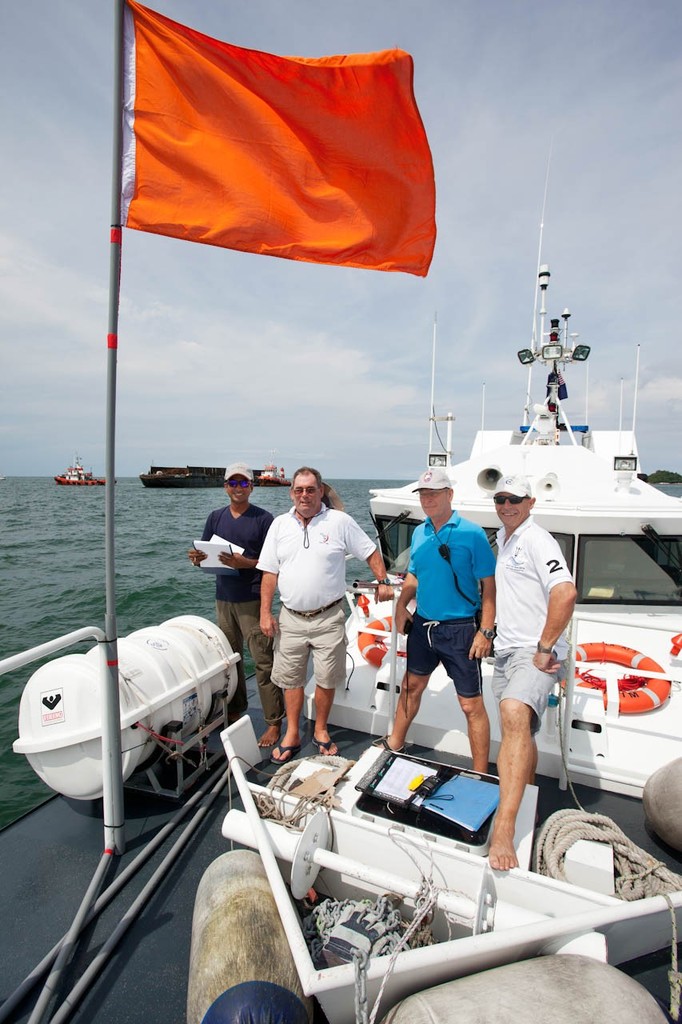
column 515, row 563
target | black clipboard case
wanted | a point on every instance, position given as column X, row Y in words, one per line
column 403, row 812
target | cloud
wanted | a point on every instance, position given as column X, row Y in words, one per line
column 224, row 352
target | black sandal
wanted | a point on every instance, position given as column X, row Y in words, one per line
column 384, row 744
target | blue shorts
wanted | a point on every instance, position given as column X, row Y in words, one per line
column 430, row 644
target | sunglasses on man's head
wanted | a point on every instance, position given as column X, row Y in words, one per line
column 513, row 499
column 238, row 483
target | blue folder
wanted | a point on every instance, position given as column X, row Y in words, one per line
column 464, row 800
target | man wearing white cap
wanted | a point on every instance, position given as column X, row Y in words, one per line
column 451, row 575
column 535, row 601
column 238, row 594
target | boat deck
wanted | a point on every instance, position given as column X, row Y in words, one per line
column 48, row 857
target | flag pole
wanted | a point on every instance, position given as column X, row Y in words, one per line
column 112, row 772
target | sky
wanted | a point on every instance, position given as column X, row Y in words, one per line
column 226, row 355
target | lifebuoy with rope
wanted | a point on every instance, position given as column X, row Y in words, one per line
column 373, row 648
column 637, row 693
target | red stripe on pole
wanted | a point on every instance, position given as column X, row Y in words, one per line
column 116, row 235
column 110, row 664
column 112, row 340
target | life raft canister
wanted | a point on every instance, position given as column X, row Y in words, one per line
column 373, row 648
column 652, row 694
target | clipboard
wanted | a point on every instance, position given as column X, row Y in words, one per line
column 464, row 800
column 392, row 779
column 212, row 548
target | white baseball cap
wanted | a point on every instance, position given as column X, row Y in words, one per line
column 518, row 485
column 239, row 469
column 435, row 479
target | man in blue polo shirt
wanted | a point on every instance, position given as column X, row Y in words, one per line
column 449, row 558
column 238, row 594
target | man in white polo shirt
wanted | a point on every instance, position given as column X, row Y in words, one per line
column 304, row 555
column 535, row 601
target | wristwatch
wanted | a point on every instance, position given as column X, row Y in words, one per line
column 489, row 634
column 545, row 650
column 385, row 582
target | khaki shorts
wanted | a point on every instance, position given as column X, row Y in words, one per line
column 323, row 636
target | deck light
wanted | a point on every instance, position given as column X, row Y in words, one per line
column 625, row 464
column 525, row 356
column 438, row 460
column 552, row 351
column 580, row 353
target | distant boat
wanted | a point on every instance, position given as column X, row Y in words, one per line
column 270, row 476
column 184, row 476
column 76, row 476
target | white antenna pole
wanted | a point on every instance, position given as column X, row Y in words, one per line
column 533, row 337
column 634, row 405
column 620, row 415
column 483, row 408
column 432, row 411
column 526, row 408
column 533, row 333
column 587, row 394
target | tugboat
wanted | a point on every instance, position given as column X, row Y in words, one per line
column 76, row 476
column 270, row 476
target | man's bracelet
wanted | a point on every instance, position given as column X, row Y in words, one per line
column 545, row 650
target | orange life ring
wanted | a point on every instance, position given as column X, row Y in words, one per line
column 652, row 694
column 373, row 648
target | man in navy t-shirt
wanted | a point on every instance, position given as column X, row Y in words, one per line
column 238, row 595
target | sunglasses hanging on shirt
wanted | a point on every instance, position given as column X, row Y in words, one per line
column 444, row 552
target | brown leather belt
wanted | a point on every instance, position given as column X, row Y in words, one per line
column 317, row 611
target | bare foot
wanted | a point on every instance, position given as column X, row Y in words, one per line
column 502, row 855
column 270, row 736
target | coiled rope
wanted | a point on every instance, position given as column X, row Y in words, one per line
column 272, row 804
column 637, row 874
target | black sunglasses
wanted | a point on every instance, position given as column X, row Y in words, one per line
column 513, row 499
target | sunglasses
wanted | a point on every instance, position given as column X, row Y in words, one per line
column 513, row 499
column 238, row 483
column 298, row 491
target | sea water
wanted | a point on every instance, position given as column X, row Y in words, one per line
column 52, row 582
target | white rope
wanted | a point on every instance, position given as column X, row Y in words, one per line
column 637, row 874
column 273, row 804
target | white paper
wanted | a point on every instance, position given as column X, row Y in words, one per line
column 396, row 782
column 213, row 548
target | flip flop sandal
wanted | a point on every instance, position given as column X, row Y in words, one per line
column 323, row 747
column 291, row 751
column 383, row 743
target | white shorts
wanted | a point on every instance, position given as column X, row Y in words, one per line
column 323, row 636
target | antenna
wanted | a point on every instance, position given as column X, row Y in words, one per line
column 634, row 404
column 432, row 411
column 539, row 260
column 533, row 333
column 620, row 415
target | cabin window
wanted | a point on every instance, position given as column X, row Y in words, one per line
column 395, row 537
column 630, row 570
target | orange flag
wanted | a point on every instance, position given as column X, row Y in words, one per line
column 324, row 160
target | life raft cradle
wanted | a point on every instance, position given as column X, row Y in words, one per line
column 638, row 693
